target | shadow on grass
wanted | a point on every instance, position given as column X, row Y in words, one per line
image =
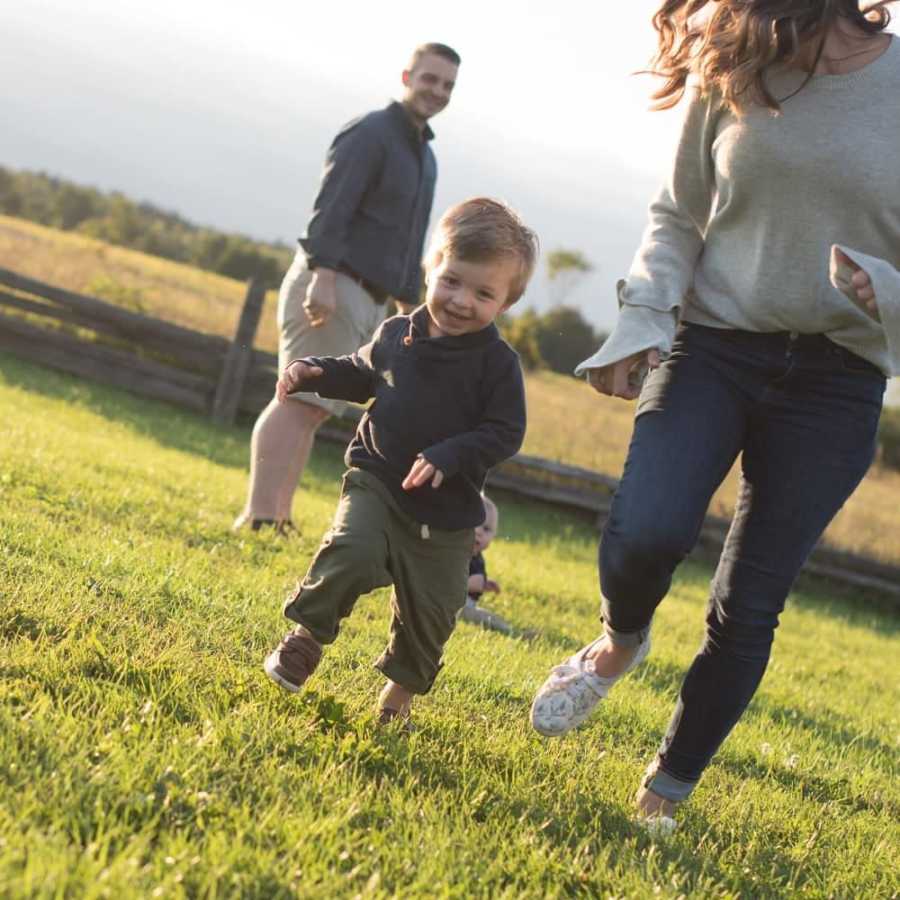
column 831, row 727
column 163, row 423
column 838, row 791
column 859, row 608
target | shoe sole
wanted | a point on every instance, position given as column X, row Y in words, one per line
column 280, row 680
column 551, row 723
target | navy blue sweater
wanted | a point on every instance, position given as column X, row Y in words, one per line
column 458, row 401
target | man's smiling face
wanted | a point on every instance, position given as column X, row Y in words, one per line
column 428, row 86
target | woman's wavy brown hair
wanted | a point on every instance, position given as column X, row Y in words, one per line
column 729, row 44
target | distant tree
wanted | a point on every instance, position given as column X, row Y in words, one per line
column 889, row 438
column 242, row 260
column 565, row 338
column 520, row 331
column 10, row 202
column 208, row 248
column 73, row 205
column 565, row 268
column 143, row 226
column 36, row 196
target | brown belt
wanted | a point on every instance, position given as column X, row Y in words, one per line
column 376, row 293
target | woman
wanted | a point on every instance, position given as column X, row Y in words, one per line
column 787, row 150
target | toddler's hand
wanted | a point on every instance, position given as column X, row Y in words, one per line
column 421, row 473
column 491, row 585
column 854, row 282
column 293, row 377
column 624, row 378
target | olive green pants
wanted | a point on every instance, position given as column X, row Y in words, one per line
column 372, row 543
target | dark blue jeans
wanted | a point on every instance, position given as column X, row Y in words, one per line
column 802, row 413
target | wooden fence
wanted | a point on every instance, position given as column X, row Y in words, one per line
column 97, row 340
column 208, row 374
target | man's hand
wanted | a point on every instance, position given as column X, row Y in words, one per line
column 624, row 378
column 321, row 297
column 421, row 473
column 293, row 377
column 855, row 283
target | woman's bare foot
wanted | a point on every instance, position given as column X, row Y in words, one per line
column 610, row 660
column 651, row 806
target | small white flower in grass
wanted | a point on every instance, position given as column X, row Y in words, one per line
column 766, row 748
column 203, row 797
column 791, row 761
column 170, row 860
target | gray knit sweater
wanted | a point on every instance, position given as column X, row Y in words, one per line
column 740, row 235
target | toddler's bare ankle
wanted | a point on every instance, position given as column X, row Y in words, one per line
column 395, row 697
column 300, row 629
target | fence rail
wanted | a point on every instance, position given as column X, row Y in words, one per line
column 208, row 374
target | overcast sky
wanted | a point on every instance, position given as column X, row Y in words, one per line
column 223, row 112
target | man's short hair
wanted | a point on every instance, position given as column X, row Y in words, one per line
column 482, row 230
column 441, row 50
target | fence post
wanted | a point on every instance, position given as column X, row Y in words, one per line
column 237, row 359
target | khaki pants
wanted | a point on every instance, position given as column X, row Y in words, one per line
column 372, row 544
column 352, row 324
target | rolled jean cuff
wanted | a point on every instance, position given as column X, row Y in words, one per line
column 626, row 638
column 666, row 785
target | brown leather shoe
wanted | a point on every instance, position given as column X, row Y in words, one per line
column 386, row 716
column 293, row 660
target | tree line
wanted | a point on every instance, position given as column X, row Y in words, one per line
column 116, row 219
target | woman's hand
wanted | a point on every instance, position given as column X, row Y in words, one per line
column 624, row 378
column 855, row 283
column 421, row 473
column 293, row 377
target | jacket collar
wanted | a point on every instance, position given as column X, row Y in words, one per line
column 413, row 133
column 417, row 330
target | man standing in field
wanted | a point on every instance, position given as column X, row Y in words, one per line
column 363, row 245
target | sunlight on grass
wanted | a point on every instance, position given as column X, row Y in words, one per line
column 144, row 753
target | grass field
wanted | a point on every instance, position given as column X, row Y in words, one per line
column 144, row 754
column 567, row 421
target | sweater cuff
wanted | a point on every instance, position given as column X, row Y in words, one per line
column 442, row 458
column 638, row 328
column 886, row 284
